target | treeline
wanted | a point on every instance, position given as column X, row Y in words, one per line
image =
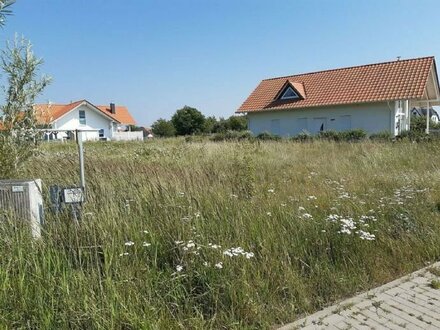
column 190, row 121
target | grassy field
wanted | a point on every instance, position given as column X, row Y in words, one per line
column 220, row 235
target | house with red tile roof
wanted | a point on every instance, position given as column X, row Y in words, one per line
column 374, row 97
column 109, row 122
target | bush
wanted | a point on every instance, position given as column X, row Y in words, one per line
column 348, row 136
column 232, row 136
column 381, row 136
column 353, row 135
column 302, row 137
column 418, row 124
column 163, row 128
column 266, row 136
column 415, row 136
column 330, row 135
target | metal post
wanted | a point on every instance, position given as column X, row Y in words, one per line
column 427, row 117
column 79, row 141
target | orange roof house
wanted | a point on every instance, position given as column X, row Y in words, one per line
column 47, row 113
column 373, row 97
column 100, row 122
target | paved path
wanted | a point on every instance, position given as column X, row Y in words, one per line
column 407, row 303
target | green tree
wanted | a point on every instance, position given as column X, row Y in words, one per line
column 163, row 128
column 188, row 121
column 19, row 136
column 209, row 125
column 237, row 123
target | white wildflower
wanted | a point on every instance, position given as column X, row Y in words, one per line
column 146, row 244
column 269, row 214
column 310, row 198
column 124, row 254
column 307, row 216
column 179, row 268
column 129, row 243
column 228, row 253
column 271, row 191
column 345, row 231
column 366, row 235
column 300, row 209
column 219, row 265
column 333, row 217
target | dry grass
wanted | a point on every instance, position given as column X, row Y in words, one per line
column 290, row 206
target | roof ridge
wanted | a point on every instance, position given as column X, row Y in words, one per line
column 349, row 67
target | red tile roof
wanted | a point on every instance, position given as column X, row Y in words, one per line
column 404, row 79
column 46, row 113
column 122, row 115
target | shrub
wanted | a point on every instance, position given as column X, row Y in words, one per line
column 348, row 136
column 353, row 135
column 330, row 135
column 232, row 136
column 381, row 136
column 163, row 128
column 303, row 137
column 418, row 124
column 266, row 136
column 415, row 136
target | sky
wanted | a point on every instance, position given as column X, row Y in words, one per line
column 157, row 56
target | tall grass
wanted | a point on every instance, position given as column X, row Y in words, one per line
column 146, row 253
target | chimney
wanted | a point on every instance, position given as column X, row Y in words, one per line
column 112, row 108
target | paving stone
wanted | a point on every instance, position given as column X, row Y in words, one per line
column 407, row 303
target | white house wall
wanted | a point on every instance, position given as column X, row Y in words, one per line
column 371, row 117
column 94, row 120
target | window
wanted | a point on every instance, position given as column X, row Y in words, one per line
column 289, row 93
column 101, row 133
column 82, row 117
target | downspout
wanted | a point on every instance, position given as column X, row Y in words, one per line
column 392, row 119
column 427, row 117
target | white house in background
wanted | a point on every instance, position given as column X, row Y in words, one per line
column 375, row 97
column 110, row 122
column 421, row 112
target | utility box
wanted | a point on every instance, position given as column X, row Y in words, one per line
column 24, row 200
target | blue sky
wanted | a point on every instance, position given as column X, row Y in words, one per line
column 157, row 56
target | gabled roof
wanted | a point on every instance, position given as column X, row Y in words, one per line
column 47, row 113
column 396, row 80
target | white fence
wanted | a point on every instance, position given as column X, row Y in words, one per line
column 128, row 136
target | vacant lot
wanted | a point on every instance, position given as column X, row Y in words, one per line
column 220, row 235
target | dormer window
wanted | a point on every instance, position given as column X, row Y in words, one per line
column 289, row 94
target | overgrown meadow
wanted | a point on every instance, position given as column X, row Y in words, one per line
column 229, row 235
